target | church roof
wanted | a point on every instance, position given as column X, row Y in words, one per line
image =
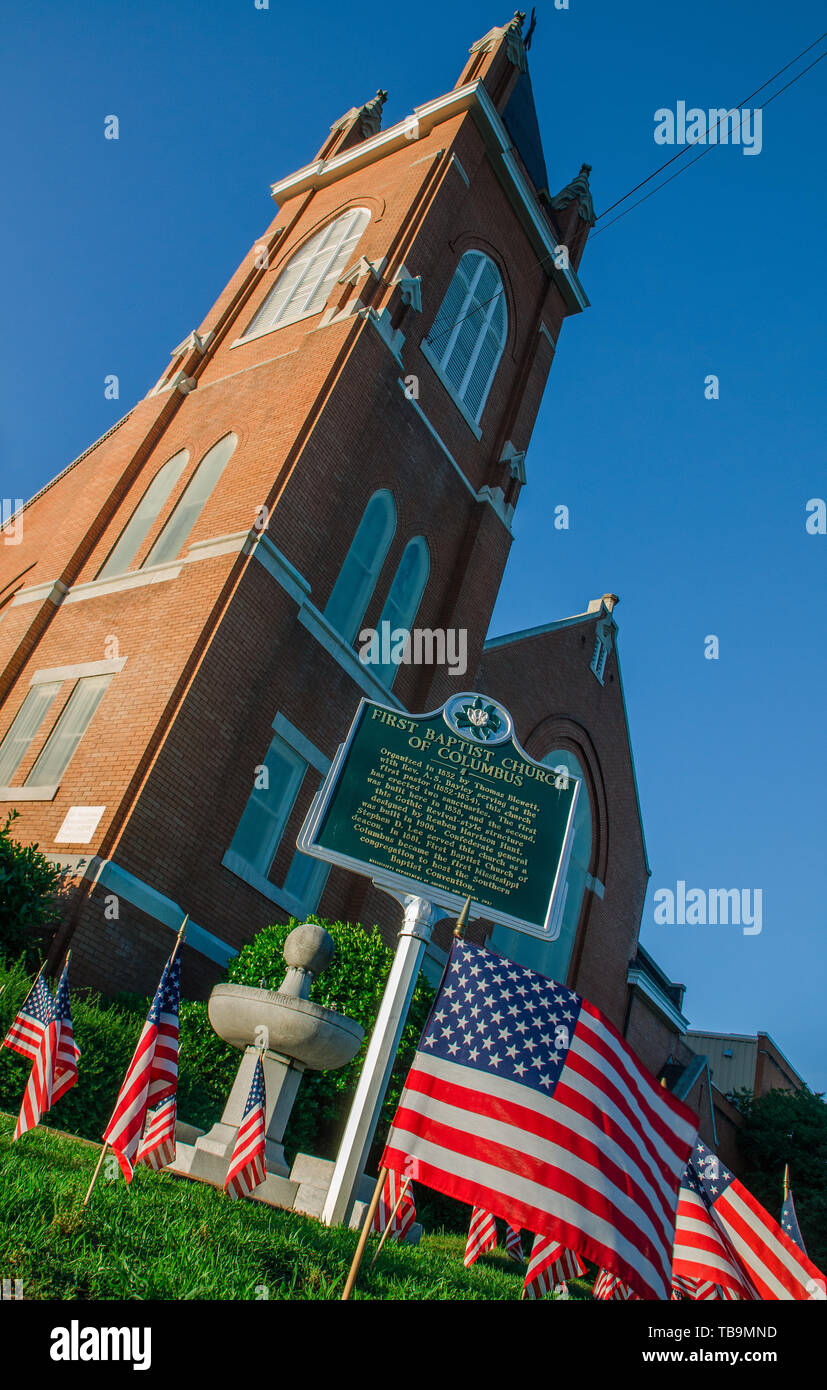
column 520, row 119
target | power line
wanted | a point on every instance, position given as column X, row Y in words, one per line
column 708, row 149
column 682, row 152
column 550, row 256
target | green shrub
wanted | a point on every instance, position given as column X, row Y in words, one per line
column 29, row 896
column 106, row 1035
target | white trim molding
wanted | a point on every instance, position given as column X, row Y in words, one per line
column 54, row 590
column 307, row 750
column 642, row 982
column 238, row 866
column 78, row 671
column 472, row 97
column 29, row 793
column 111, row 876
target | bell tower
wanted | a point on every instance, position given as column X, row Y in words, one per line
column 340, row 445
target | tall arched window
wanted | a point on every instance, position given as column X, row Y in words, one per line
column 552, row 957
column 360, row 570
column 468, row 334
column 142, row 519
column 191, row 502
column 305, row 283
column 405, row 596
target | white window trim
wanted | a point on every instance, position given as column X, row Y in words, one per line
column 251, row 876
column 315, row 758
column 263, row 332
column 431, row 359
column 29, row 793
column 77, row 672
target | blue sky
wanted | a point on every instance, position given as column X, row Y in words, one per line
column 691, row 510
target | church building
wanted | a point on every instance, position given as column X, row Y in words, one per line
column 341, row 443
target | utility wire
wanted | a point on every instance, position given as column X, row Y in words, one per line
column 542, row 260
column 708, row 149
column 743, row 102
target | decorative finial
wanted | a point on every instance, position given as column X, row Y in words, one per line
column 370, row 115
column 577, row 191
column 462, row 920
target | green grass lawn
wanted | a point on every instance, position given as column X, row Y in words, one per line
column 169, row 1238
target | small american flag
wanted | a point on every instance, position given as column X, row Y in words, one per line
column 514, row 1244
column 608, row 1285
column 406, row 1215
column 773, row 1264
column 482, row 1235
column 152, row 1075
column 27, row 1028
column 524, row 1100
column 247, row 1168
column 702, row 1253
column 55, row 1067
column 549, row 1265
column 158, row 1144
column 789, row 1222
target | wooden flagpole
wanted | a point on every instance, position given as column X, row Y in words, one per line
column 178, row 941
column 363, row 1238
column 389, row 1227
column 786, row 1181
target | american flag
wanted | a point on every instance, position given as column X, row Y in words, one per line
column 482, row 1235
column 27, row 1028
column 608, row 1286
column 549, row 1265
column 406, row 1215
column 247, row 1168
column 157, row 1148
column 514, row 1244
column 524, row 1100
column 789, row 1222
column 702, row 1253
column 55, row 1067
column 152, row 1075
column 773, row 1264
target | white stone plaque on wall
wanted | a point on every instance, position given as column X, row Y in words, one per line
column 79, row 826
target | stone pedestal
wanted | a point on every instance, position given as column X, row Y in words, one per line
column 209, row 1156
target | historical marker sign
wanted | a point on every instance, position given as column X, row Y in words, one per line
column 447, row 805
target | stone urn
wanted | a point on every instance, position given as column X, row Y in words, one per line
column 293, row 1036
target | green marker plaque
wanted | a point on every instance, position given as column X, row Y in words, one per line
column 447, row 805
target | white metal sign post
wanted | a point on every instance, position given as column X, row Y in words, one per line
column 379, row 1059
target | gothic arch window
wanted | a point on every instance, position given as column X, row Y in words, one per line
column 404, row 597
column 468, row 335
column 360, row 570
column 191, row 502
column 552, row 958
column 143, row 518
column 304, row 285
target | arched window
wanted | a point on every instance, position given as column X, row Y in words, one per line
column 552, row 957
column 404, row 597
column 468, row 334
column 191, row 502
column 142, row 519
column 305, row 283
column 360, row 570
